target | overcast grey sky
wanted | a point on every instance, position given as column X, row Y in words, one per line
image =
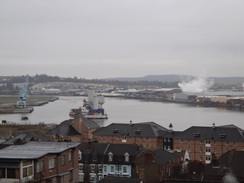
column 121, row 38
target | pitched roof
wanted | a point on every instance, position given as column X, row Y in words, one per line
column 28, row 136
column 162, row 156
column 64, row 130
column 226, row 133
column 90, row 124
column 34, row 150
column 102, row 150
column 147, row 129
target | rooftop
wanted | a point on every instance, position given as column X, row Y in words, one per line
column 146, row 129
column 34, row 150
column 223, row 133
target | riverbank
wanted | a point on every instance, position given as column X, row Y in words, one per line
column 8, row 103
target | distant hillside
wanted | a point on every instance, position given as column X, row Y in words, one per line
column 180, row 78
column 161, row 78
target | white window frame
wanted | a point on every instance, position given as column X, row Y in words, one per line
column 51, row 163
column 39, row 166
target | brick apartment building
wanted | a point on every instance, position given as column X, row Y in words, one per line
column 43, row 162
column 204, row 142
column 148, row 134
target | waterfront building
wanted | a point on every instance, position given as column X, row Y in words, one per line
column 97, row 160
column 39, row 161
column 204, row 142
column 148, row 134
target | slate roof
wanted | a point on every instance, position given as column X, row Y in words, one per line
column 34, row 150
column 224, row 133
column 90, row 124
column 147, row 129
column 100, row 151
column 64, row 130
column 162, row 156
column 110, row 179
column 28, row 136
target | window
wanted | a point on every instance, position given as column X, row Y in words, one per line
column 62, row 159
column 39, row 166
column 71, row 175
column 181, row 140
column 200, row 158
column 80, row 167
column 124, row 139
column 189, row 149
column 234, row 143
column 105, row 168
column 208, row 158
column 208, row 150
column 200, row 149
column 100, row 168
column 80, row 155
column 110, row 156
column 92, row 166
column 112, row 169
column 126, row 157
column 27, row 168
column 124, row 169
column 207, row 141
column 51, row 163
column 92, row 178
column 227, row 142
column 81, row 177
column 201, row 141
column 70, row 156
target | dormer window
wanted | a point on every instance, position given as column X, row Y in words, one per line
column 126, row 157
column 110, row 156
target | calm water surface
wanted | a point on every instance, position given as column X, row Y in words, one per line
column 120, row 110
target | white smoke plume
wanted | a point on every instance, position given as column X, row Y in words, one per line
column 197, row 85
column 229, row 178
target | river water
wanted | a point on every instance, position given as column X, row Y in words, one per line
column 121, row 110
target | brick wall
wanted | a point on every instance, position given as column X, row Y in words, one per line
column 197, row 148
column 147, row 143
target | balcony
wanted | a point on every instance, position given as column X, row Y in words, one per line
column 207, row 161
column 207, row 145
column 208, row 153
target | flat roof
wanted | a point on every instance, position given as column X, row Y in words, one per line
column 34, row 150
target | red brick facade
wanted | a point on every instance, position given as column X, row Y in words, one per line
column 145, row 142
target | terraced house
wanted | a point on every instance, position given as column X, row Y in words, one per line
column 204, row 142
column 100, row 160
